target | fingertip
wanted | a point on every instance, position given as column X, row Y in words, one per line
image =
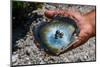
column 49, row 13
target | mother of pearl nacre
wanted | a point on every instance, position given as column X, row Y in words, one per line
column 57, row 35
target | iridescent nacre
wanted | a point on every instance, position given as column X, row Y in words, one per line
column 57, row 35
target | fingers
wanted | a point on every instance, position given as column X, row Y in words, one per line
column 52, row 13
column 72, row 13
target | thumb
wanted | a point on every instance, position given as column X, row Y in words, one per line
column 80, row 40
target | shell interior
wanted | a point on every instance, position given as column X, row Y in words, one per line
column 57, row 34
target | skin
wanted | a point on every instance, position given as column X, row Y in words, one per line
column 85, row 22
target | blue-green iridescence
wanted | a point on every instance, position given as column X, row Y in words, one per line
column 56, row 35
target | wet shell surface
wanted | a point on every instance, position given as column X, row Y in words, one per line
column 57, row 35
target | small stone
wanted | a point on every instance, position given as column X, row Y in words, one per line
column 31, row 38
column 85, row 57
column 42, row 62
column 14, row 58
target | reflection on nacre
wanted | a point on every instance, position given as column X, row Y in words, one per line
column 56, row 35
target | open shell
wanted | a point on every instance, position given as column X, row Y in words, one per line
column 57, row 35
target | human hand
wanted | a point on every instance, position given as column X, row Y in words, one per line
column 86, row 24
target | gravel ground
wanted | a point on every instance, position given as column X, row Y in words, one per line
column 28, row 53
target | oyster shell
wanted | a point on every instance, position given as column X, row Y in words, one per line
column 57, row 35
